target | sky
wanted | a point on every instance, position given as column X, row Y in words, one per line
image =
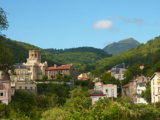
column 74, row 23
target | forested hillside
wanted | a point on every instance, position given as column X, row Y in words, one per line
column 145, row 54
column 121, row 46
column 77, row 56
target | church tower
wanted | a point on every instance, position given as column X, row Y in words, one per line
column 34, row 56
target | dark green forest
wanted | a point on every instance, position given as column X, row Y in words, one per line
column 80, row 57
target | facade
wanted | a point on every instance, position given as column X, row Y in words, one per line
column 5, row 88
column 141, row 82
column 103, row 90
column 129, row 90
column 26, row 73
column 52, row 72
column 96, row 95
column 135, row 88
column 27, row 86
column 118, row 71
column 155, row 87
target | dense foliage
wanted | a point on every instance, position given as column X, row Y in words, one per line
column 3, row 20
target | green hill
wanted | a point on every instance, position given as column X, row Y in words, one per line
column 78, row 56
column 145, row 54
column 121, row 46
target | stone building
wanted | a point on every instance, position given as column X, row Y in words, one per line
column 5, row 88
column 134, row 89
column 33, row 69
column 52, row 72
column 26, row 73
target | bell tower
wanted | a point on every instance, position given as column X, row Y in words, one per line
column 34, row 56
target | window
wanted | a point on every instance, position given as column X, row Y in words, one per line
column 1, row 94
column 20, row 87
column 158, row 90
column 158, row 81
column 158, row 98
column 25, row 88
column 106, row 90
column 112, row 91
column 31, row 88
column 1, row 87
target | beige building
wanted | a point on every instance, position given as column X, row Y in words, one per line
column 155, row 87
column 32, row 70
column 26, row 73
column 5, row 88
column 27, row 86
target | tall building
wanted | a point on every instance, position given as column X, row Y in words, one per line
column 25, row 74
column 32, row 70
column 5, row 88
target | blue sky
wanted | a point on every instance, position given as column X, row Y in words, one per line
column 75, row 23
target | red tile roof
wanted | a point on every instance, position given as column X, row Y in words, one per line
column 63, row 67
column 158, row 73
column 98, row 95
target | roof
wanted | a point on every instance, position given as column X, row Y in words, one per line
column 97, row 93
column 20, row 66
column 126, row 85
column 63, row 67
column 156, row 73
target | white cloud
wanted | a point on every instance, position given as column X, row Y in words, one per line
column 103, row 24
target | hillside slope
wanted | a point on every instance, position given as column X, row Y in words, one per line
column 77, row 56
column 148, row 53
column 121, row 46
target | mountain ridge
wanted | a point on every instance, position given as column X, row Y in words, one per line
column 121, row 46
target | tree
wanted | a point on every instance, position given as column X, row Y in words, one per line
column 6, row 57
column 147, row 93
column 3, row 20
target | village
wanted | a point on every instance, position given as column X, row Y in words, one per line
column 27, row 75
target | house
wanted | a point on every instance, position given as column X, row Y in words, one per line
column 96, row 95
column 84, row 76
column 5, row 88
column 129, row 90
column 134, row 89
column 155, row 87
column 118, row 71
column 53, row 72
column 103, row 90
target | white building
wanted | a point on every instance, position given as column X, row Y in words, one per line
column 103, row 90
column 155, row 87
